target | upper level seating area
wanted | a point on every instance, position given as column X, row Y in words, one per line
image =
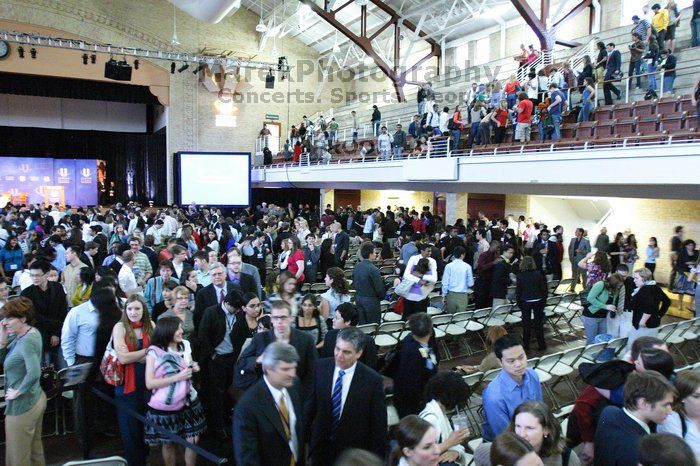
column 630, row 121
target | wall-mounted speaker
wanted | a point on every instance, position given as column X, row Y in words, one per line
column 269, row 81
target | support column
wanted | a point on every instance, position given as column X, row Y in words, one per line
column 327, row 196
column 517, row 204
column 455, row 207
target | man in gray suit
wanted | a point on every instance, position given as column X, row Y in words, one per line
column 369, row 286
column 579, row 247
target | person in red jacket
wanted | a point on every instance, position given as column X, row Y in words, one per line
column 417, row 223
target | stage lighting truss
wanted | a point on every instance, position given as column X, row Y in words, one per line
column 229, row 63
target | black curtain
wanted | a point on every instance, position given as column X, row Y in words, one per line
column 284, row 196
column 136, row 162
column 69, row 88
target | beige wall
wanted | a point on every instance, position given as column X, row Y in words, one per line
column 371, row 198
column 148, row 24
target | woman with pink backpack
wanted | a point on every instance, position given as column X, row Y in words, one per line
column 174, row 405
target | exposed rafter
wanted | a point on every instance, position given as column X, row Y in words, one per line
column 365, row 40
column 547, row 35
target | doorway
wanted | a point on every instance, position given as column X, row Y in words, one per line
column 275, row 135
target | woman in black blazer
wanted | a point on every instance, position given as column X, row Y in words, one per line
column 649, row 304
column 415, row 363
column 531, row 296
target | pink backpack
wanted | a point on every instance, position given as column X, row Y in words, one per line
column 174, row 396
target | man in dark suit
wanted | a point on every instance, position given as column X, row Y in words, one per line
column 341, row 242
column 248, row 367
column 369, row 286
column 348, row 408
column 648, row 399
column 501, row 279
column 346, row 316
column 612, row 67
column 236, row 275
column 579, row 247
column 218, row 357
column 213, row 294
column 267, row 422
column 544, row 252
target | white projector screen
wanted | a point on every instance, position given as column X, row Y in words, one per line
column 215, row 178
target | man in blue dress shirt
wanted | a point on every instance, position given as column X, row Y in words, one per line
column 513, row 385
column 457, row 282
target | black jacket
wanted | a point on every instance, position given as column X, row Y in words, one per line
column 50, row 309
column 206, row 297
column 211, row 331
column 363, row 421
column 500, row 279
column 412, row 375
column 650, row 299
column 302, row 342
column 367, row 280
column 258, row 434
column 617, row 438
column 530, row 285
column 369, row 354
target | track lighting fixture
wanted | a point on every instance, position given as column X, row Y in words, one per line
column 136, row 64
column 93, row 58
column 199, row 68
column 85, row 59
column 172, row 68
column 183, row 67
column 20, row 51
column 32, row 52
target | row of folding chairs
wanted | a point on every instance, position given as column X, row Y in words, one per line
column 678, row 335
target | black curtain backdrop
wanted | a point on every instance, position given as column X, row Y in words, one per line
column 284, row 196
column 68, row 88
column 136, row 162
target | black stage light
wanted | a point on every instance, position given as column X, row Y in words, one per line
column 172, row 68
column 93, row 58
column 32, row 52
column 85, row 59
column 20, row 51
column 183, row 67
column 136, row 64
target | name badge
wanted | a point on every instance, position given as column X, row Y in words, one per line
column 13, row 266
column 260, row 256
column 309, row 263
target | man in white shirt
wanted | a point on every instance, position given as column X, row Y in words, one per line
column 267, row 421
column 127, row 280
column 384, row 141
column 156, row 231
column 457, row 282
column 433, row 118
column 444, row 119
column 179, row 257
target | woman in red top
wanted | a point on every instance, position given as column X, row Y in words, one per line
column 297, row 151
column 511, row 90
column 500, row 115
column 295, row 261
column 457, row 127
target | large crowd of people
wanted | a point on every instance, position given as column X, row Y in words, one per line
column 185, row 312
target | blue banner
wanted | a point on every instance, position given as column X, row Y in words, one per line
column 28, row 175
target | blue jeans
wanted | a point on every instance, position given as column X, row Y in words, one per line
column 474, row 136
column 354, row 136
column 130, row 429
column 375, row 127
column 635, row 69
column 556, row 120
column 455, row 134
column 668, row 83
column 652, row 77
column 585, row 113
column 594, row 327
column 421, row 108
column 511, row 99
column 332, row 134
column 398, row 150
column 695, row 32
